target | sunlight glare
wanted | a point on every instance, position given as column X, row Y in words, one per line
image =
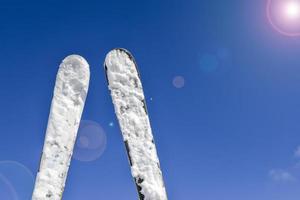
column 292, row 10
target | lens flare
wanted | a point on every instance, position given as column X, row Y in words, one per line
column 91, row 141
column 292, row 10
column 178, row 82
column 284, row 16
column 16, row 181
column 208, row 62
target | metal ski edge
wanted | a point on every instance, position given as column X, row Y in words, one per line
column 131, row 57
column 138, row 187
column 137, row 180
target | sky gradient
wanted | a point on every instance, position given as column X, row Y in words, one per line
column 222, row 88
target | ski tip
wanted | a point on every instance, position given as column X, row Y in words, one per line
column 76, row 60
column 119, row 53
column 129, row 54
column 116, row 50
column 76, row 65
column 113, row 54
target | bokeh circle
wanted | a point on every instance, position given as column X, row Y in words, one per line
column 91, row 141
column 208, row 62
column 178, row 82
column 16, row 181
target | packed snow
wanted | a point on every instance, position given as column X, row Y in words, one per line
column 67, row 105
column 128, row 98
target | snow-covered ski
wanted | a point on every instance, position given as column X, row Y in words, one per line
column 68, row 101
column 130, row 107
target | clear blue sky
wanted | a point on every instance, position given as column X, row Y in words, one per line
column 229, row 134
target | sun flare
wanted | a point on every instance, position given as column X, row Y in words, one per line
column 284, row 16
column 292, row 10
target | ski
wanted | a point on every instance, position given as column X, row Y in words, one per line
column 129, row 102
column 68, row 101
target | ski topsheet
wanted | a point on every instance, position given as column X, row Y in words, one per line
column 70, row 92
column 130, row 107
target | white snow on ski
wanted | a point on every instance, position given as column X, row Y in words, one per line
column 130, row 107
column 67, row 105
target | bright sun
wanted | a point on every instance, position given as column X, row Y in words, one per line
column 284, row 16
column 292, row 10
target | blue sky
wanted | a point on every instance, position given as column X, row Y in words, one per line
column 230, row 133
